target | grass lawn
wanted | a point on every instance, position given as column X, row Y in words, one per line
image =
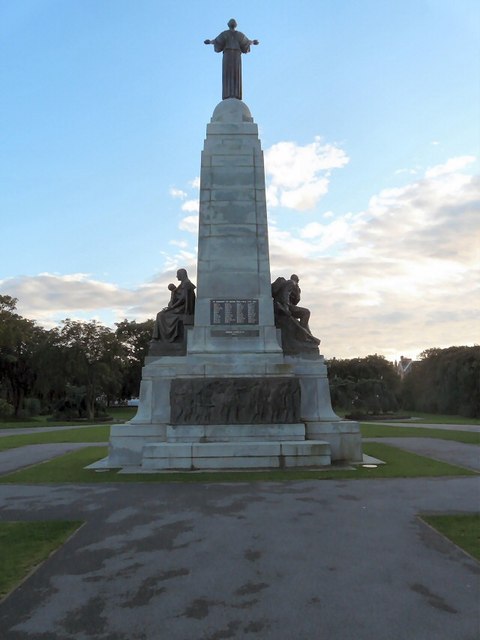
column 120, row 414
column 88, row 434
column 23, row 545
column 463, row 530
column 373, row 430
column 70, row 468
column 438, row 418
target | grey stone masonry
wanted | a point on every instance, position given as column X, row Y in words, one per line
column 231, row 398
column 233, row 257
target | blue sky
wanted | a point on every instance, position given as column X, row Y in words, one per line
column 369, row 119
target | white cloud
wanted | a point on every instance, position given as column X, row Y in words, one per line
column 338, row 231
column 177, row 193
column 190, row 205
column 452, row 165
column 398, row 277
column 306, row 196
column 411, row 172
column 195, row 183
column 189, row 223
column 298, row 176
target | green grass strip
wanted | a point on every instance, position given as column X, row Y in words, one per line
column 69, row 468
column 463, row 530
column 440, row 418
column 87, row 434
column 23, row 545
column 372, row 430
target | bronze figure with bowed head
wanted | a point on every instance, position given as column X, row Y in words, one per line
column 168, row 325
column 233, row 43
column 291, row 319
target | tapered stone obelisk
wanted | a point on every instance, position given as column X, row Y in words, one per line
column 234, row 311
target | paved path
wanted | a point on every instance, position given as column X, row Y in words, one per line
column 347, row 560
column 30, row 454
column 464, row 455
column 340, row 559
column 22, row 430
column 475, row 428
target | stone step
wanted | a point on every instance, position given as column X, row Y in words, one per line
column 235, row 433
column 235, row 455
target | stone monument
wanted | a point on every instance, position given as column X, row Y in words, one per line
column 234, row 378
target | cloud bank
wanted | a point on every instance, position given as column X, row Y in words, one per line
column 396, row 278
column 298, row 176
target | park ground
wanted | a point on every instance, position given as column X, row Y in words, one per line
column 341, row 553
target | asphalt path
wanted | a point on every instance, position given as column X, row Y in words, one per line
column 17, row 431
column 475, row 428
column 464, row 455
column 30, row 454
column 346, row 559
column 270, row 561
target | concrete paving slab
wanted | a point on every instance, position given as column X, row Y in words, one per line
column 331, row 559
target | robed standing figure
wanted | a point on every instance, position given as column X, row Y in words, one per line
column 233, row 43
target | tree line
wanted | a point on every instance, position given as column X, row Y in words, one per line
column 78, row 369
column 71, row 371
column 442, row 381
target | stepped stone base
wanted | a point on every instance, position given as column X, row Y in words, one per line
column 234, row 455
column 262, row 446
column 151, row 442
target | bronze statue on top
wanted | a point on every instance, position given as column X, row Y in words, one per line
column 291, row 319
column 168, row 336
column 233, row 43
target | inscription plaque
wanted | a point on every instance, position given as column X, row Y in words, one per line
column 234, row 333
column 234, row 311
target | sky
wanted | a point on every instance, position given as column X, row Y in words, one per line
column 368, row 113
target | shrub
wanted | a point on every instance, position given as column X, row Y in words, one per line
column 6, row 409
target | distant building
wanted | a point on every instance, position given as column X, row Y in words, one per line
column 404, row 366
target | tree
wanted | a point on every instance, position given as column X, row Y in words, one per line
column 19, row 340
column 134, row 338
column 364, row 385
column 445, row 381
column 92, row 360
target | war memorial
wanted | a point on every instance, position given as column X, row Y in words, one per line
column 234, row 378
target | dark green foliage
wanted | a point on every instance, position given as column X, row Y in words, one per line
column 445, row 381
column 19, row 343
column 134, row 338
column 364, row 385
column 92, row 360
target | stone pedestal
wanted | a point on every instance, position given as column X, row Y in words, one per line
column 230, row 398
